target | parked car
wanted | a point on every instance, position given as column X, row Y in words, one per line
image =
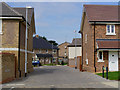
column 36, row 62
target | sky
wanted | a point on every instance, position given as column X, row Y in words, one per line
column 58, row 20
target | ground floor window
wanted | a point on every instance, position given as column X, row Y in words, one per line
column 100, row 56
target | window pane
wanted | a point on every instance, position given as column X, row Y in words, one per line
column 100, row 55
column 108, row 28
column 112, row 29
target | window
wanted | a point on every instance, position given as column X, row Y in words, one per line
column 65, row 47
column 85, row 38
column 65, row 53
column 54, row 51
column 39, row 51
column 0, row 26
column 46, row 51
column 86, row 59
column 100, row 56
column 110, row 30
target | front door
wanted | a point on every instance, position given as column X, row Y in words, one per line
column 113, row 61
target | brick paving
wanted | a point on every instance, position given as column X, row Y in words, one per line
column 60, row 77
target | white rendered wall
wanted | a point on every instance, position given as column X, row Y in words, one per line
column 72, row 52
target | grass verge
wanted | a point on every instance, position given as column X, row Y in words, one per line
column 111, row 75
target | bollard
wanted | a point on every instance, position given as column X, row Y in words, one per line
column 103, row 71
column 106, row 72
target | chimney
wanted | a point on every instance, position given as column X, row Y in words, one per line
column 37, row 36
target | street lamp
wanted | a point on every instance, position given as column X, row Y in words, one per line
column 26, row 39
column 75, row 51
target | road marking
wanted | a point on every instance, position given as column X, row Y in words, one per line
column 14, row 84
column 11, row 88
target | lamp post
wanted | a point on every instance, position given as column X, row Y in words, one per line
column 75, row 51
column 52, row 53
column 26, row 39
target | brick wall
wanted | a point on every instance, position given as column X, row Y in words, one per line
column 10, row 39
column 10, row 34
column 7, row 67
column 62, row 49
column 88, row 46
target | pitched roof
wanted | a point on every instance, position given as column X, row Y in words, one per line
column 23, row 12
column 108, row 43
column 39, row 43
column 44, row 55
column 102, row 12
column 63, row 43
column 6, row 10
column 77, row 41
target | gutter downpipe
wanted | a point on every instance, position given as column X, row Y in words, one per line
column 94, row 48
column 19, row 52
column 26, row 44
column 82, row 51
column 26, row 39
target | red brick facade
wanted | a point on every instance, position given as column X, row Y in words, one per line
column 88, row 45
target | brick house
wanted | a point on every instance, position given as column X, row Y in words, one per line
column 100, row 38
column 44, row 51
column 74, row 50
column 13, row 35
column 63, row 51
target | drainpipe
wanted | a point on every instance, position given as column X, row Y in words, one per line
column 19, row 52
column 26, row 39
column 94, row 48
column 82, row 50
column 75, row 52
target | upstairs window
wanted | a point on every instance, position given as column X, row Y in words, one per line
column 110, row 30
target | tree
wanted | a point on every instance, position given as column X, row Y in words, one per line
column 54, row 42
column 44, row 38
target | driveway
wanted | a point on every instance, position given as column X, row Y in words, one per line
column 61, row 77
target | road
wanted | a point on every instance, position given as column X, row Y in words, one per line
column 60, row 77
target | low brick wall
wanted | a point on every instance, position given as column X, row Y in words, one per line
column 7, row 67
column 72, row 63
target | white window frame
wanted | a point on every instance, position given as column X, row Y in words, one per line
column 65, row 47
column 110, row 29
column 100, row 60
column 65, row 53
column 86, row 59
column 1, row 26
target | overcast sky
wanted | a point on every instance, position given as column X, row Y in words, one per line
column 58, row 20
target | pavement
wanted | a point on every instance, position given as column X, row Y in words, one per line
column 61, row 77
